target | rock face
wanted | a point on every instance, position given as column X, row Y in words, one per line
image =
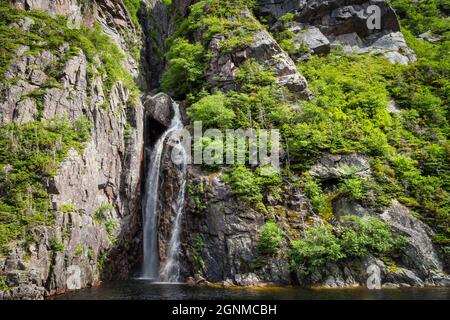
column 72, row 253
column 419, row 253
column 221, row 73
column 220, row 231
column 358, row 26
column 338, row 166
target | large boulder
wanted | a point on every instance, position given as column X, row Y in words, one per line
column 336, row 166
column 419, row 253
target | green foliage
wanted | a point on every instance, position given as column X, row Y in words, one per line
column 101, row 214
column 252, row 75
column 30, row 155
column 250, row 186
column 353, row 188
column 319, row 247
column 133, row 8
column 50, row 33
column 79, row 250
column 315, row 193
column 67, row 208
column 354, row 237
column 185, row 71
column 4, row 283
column 56, row 246
column 198, row 245
column 212, row 112
column 361, row 236
column 244, row 184
column 270, row 239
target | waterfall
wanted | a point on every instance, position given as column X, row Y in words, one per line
column 171, row 272
column 150, row 213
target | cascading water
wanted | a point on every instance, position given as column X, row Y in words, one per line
column 151, row 256
column 171, row 272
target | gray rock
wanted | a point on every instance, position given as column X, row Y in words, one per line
column 159, row 108
column 344, row 207
column 419, row 253
column 338, row 166
column 314, row 39
column 404, row 276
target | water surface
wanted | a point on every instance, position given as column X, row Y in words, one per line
column 148, row 290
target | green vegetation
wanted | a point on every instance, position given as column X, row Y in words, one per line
column 249, row 185
column 207, row 18
column 30, row 155
column 185, row 69
column 319, row 247
column 67, row 208
column 198, row 246
column 354, row 237
column 4, row 283
column 270, row 239
column 48, row 33
column 79, row 250
column 212, row 112
column 56, row 246
column 133, row 8
column 101, row 214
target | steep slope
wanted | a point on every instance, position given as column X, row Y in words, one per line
column 72, row 118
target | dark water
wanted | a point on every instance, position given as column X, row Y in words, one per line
column 146, row 290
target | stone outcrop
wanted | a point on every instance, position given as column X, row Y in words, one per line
column 338, row 166
column 358, row 26
column 222, row 69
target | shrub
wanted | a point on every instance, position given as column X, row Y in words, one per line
column 67, row 208
column 353, row 188
column 244, row 184
column 361, row 236
column 56, row 246
column 355, row 237
column 270, row 239
column 212, row 112
column 101, row 213
column 320, row 246
column 185, row 70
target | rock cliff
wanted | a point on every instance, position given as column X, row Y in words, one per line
column 93, row 199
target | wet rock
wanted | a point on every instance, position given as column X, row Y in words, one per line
column 404, row 276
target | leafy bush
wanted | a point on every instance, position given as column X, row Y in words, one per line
column 185, row 71
column 101, row 214
column 212, row 112
column 270, row 239
column 244, row 183
column 56, row 246
column 361, row 236
column 354, row 237
column 320, row 246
